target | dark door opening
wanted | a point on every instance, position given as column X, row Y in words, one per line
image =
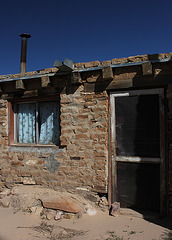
column 137, row 151
column 138, row 186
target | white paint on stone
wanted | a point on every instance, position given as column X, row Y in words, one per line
column 31, row 162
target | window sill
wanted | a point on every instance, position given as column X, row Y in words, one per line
column 34, row 148
column 33, row 145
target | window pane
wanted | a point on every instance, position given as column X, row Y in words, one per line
column 137, row 126
column 49, row 123
column 26, row 123
column 138, row 185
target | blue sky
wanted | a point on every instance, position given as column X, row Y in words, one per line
column 82, row 30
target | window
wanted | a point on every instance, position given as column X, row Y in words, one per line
column 36, row 122
column 137, row 125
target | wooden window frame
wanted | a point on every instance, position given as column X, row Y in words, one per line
column 12, row 141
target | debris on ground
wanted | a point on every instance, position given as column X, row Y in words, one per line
column 115, row 209
column 50, row 204
column 58, row 215
column 61, row 203
column 90, row 210
column 103, row 204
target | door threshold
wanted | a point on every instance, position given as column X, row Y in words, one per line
column 144, row 214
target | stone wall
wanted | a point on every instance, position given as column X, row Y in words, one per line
column 81, row 159
column 84, row 131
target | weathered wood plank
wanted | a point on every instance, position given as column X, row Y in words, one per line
column 147, row 68
column 148, row 81
column 107, row 73
column 20, row 84
column 138, row 159
column 45, row 81
column 120, row 84
column 76, row 78
column 32, row 93
column 89, row 87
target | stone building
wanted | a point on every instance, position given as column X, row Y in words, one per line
column 105, row 127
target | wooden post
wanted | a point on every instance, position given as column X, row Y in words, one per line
column 20, row 84
column 147, row 68
column 76, row 78
column 107, row 73
column 45, row 81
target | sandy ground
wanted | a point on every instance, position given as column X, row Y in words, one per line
column 24, row 226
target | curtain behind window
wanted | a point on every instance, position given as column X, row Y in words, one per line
column 49, row 123
column 26, row 123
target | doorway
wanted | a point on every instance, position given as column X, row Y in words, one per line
column 136, row 149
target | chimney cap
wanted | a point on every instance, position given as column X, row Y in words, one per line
column 26, row 35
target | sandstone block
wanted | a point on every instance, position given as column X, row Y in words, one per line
column 106, row 63
column 119, row 60
column 31, row 73
column 15, row 164
column 28, row 181
column 24, row 173
column 61, row 203
column 138, row 58
column 81, row 135
column 31, row 162
column 82, row 116
column 17, row 75
column 92, row 64
column 20, row 157
column 79, row 65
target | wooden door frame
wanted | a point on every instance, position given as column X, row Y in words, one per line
column 112, row 136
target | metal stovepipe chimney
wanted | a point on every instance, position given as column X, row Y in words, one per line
column 24, row 37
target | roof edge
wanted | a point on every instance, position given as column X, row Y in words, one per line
column 94, row 65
